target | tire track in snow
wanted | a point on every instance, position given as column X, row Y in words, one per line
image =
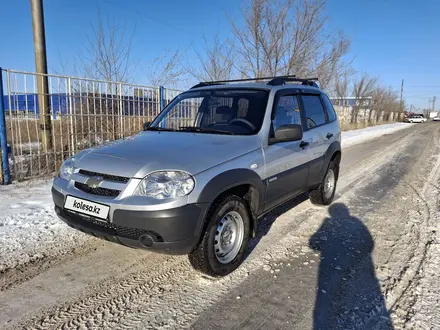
column 400, row 299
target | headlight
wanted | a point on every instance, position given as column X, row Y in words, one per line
column 67, row 169
column 166, row 184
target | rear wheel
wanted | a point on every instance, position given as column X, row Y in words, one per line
column 325, row 192
column 225, row 240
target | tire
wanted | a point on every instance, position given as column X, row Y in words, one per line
column 227, row 212
column 324, row 194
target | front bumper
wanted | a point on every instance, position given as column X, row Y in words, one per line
column 172, row 231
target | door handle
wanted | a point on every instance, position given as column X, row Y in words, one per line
column 329, row 136
column 303, row 144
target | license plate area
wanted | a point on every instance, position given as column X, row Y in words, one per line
column 87, row 208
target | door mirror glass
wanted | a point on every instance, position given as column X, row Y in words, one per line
column 287, row 133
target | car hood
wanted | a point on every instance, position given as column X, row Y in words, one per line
column 151, row 151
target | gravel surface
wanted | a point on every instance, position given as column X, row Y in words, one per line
column 367, row 261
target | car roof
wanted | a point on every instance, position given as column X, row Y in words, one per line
column 254, row 86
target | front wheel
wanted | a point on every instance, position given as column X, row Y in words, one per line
column 325, row 192
column 225, row 239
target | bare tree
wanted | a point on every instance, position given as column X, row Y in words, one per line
column 216, row 62
column 379, row 102
column 385, row 101
column 363, row 88
column 330, row 65
column 166, row 70
column 288, row 37
column 107, row 55
column 341, row 86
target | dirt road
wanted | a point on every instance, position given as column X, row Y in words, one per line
column 367, row 261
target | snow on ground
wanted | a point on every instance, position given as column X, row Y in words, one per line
column 30, row 230
column 353, row 137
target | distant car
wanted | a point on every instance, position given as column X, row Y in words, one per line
column 436, row 119
column 415, row 119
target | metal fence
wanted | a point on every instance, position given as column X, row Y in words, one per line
column 84, row 112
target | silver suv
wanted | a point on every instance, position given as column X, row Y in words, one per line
column 199, row 177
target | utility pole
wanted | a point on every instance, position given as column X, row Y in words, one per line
column 401, row 100
column 433, row 103
column 41, row 69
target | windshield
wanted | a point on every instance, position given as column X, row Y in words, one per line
column 228, row 111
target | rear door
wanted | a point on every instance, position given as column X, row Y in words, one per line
column 316, row 133
column 333, row 132
column 286, row 162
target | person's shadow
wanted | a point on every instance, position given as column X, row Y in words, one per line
column 348, row 293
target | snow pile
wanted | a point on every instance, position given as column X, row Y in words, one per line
column 350, row 138
column 30, row 230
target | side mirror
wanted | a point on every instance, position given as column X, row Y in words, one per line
column 146, row 125
column 287, row 133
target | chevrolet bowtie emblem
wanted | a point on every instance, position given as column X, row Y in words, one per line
column 94, row 181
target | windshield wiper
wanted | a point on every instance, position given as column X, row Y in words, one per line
column 204, row 130
column 155, row 128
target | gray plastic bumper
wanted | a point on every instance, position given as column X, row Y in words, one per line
column 173, row 231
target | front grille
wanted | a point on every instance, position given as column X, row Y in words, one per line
column 108, row 228
column 105, row 176
column 97, row 191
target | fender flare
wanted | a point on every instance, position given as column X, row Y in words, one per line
column 334, row 148
column 234, row 178
column 230, row 179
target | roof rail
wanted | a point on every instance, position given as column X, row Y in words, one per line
column 274, row 81
column 220, row 82
column 277, row 81
column 205, row 83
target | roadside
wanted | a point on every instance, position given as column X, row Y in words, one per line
column 114, row 287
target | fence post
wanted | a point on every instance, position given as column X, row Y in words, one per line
column 162, row 97
column 3, row 141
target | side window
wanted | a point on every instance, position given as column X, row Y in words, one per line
column 329, row 107
column 287, row 111
column 314, row 111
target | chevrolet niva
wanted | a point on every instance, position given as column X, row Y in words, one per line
column 198, row 179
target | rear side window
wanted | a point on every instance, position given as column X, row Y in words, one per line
column 329, row 107
column 314, row 112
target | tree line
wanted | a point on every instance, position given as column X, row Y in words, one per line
column 274, row 37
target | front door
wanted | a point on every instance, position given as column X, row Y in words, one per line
column 286, row 162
